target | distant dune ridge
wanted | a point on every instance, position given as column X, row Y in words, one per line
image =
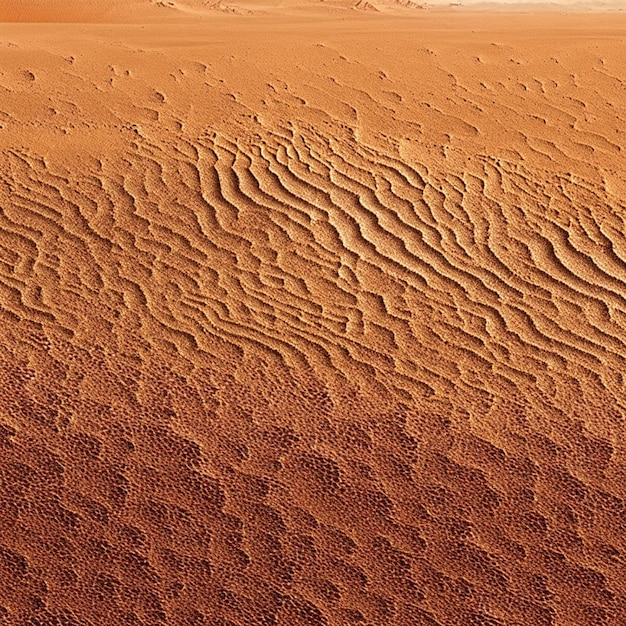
column 311, row 315
column 120, row 11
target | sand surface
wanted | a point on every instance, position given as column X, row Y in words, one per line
column 311, row 315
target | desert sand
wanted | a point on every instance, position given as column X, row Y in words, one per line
column 311, row 313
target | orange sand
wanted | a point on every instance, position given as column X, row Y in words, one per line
column 311, row 315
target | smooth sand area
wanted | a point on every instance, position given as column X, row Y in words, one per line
column 311, row 314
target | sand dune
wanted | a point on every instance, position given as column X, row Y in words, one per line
column 311, row 315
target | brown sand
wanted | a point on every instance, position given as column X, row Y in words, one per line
column 311, row 315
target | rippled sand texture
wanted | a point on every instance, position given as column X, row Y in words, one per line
column 313, row 321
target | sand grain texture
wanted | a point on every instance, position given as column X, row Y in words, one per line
column 311, row 316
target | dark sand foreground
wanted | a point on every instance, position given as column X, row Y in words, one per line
column 311, row 315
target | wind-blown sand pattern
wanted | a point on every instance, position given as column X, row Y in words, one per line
column 311, row 316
